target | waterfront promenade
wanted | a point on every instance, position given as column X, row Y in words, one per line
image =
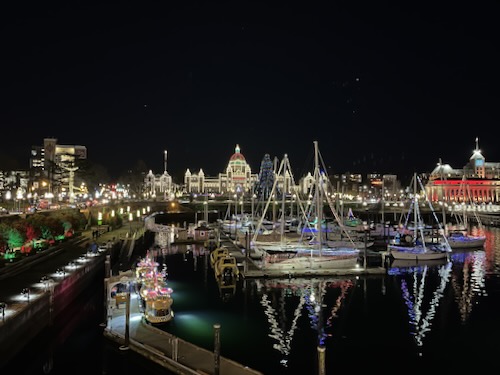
column 176, row 355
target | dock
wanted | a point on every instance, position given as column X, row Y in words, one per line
column 127, row 326
column 249, row 267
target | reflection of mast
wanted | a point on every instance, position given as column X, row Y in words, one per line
column 419, row 319
column 311, row 296
column 473, row 282
column 283, row 336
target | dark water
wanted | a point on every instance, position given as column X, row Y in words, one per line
column 411, row 320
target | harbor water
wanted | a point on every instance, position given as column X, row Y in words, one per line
column 414, row 318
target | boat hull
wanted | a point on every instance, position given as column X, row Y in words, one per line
column 402, row 253
column 342, row 260
column 466, row 242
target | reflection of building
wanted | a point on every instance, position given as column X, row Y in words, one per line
column 478, row 181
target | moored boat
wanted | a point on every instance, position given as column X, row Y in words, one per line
column 422, row 241
column 218, row 253
column 155, row 294
column 226, row 267
column 466, row 241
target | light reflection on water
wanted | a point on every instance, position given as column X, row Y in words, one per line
column 418, row 314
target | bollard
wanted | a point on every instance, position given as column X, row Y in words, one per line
column 321, row 360
column 107, row 266
column 104, row 322
column 175, row 348
column 125, row 346
column 216, row 349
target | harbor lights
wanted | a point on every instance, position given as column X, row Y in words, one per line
column 46, row 282
column 61, row 272
column 130, row 218
column 26, row 293
column 3, row 306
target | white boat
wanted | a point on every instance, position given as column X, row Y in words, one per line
column 460, row 236
column 460, row 240
column 312, row 259
column 318, row 256
column 419, row 244
column 419, row 252
column 349, row 243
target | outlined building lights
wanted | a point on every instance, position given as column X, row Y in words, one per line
column 26, row 293
column 61, row 272
column 3, row 306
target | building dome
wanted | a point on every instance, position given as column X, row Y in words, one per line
column 237, row 156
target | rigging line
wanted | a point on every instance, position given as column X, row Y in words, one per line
column 434, row 215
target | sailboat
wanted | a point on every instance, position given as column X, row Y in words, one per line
column 415, row 242
column 278, row 239
column 317, row 255
column 461, row 237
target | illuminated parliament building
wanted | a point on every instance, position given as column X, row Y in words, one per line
column 478, row 181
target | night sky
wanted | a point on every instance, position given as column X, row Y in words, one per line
column 382, row 88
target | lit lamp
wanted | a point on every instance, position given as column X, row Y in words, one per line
column 26, row 292
column 8, row 195
column 130, row 218
column 3, row 306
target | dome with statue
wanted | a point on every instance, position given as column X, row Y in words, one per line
column 237, row 162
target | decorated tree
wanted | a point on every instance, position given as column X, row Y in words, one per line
column 266, row 178
column 15, row 238
column 31, row 233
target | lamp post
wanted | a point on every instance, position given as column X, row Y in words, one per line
column 126, row 344
column 130, row 218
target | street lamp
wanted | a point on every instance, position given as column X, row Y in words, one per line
column 130, row 218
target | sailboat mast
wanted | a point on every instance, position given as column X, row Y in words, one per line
column 415, row 207
column 282, row 222
column 319, row 207
column 443, row 208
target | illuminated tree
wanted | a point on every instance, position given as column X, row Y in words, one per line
column 31, row 233
column 266, row 178
column 14, row 238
